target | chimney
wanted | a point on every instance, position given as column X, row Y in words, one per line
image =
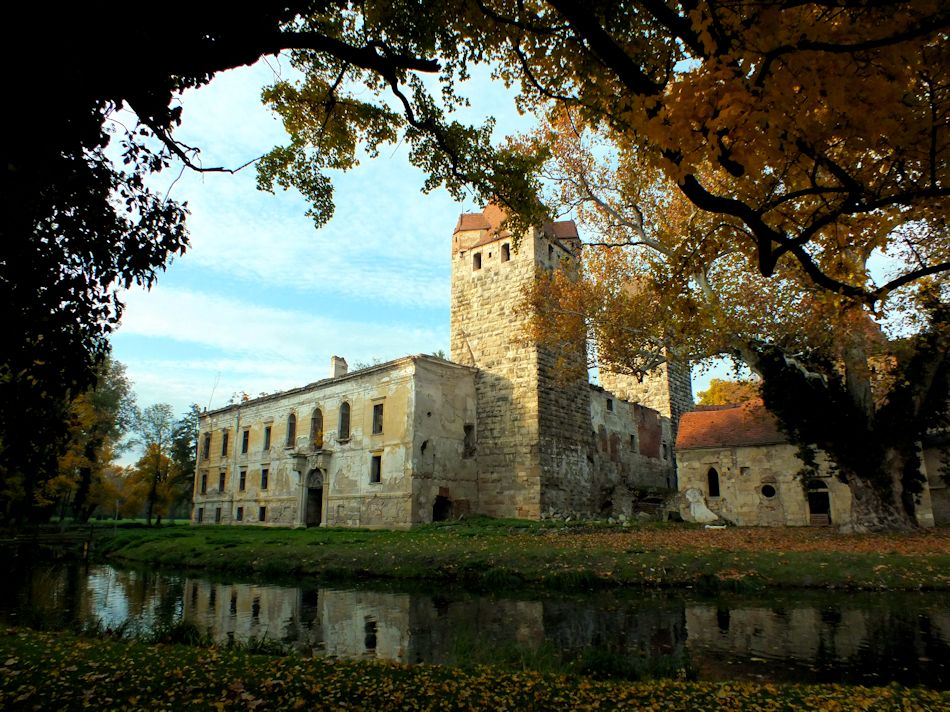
column 337, row 366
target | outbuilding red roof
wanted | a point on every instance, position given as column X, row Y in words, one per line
column 728, row 426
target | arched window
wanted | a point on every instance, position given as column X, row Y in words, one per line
column 712, row 480
column 344, row 432
column 291, row 429
column 316, row 428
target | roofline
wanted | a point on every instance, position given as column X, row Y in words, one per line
column 352, row 375
column 732, row 445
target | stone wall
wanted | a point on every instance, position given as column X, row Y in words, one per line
column 759, row 485
column 667, row 389
column 487, row 332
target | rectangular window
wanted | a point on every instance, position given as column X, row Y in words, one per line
column 242, row 484
column 245, row 441
column 262, row 514
column 221, row 482
column 477, row 260
column 217, row 515
column 264, row 474
column 239, row 514
column 633, row 442
column 206, row 447
column 204, row 483
column 610, row 404
column 505, row 252
column 201, row 514
column 376, row 468
column 224, row 443
column 267, row 438
column 377, row 419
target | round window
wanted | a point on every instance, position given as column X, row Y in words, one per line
column 768, row 491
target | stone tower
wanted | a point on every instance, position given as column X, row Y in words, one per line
column 533, row 433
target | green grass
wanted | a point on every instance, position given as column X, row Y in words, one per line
column 485, row 554
column 61, row 671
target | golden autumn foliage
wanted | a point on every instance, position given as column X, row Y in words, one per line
column 722, row 392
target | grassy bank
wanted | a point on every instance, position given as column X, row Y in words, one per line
column 60, row 671
column 485, row 553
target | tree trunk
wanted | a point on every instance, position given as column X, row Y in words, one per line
column 871, row 511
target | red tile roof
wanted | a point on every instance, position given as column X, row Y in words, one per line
column 728, row 426
column 493, row 215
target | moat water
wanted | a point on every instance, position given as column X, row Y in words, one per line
column 867, row 638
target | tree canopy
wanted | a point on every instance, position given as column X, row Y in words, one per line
column 815, row 131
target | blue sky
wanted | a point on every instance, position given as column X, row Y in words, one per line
column 262, row 299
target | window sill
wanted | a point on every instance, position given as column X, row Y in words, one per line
column 343, row 440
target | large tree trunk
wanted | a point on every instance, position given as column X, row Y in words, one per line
column 873, row 510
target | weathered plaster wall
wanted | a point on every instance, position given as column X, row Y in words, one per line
column 744, row 471
column 342, row 464
column 668, row 389
column 443, row 463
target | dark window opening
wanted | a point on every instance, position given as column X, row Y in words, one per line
column 369, row 638
column 262, row 514
column 221, row 482
column 722, row 619
column 768, row 491
column 550, row 252
column 468, row 446
column 264, row 477
column 505, row 252
column 245, row 441
column 712, row 480
column 633, row 442
column 201, row 514
column 224, row 443
column 204, row 484
column 267, row 438
column 441, row 509
column 206, row 447
column 291, row 430
column 217, row 515
column 377, row 419
column 256, row 605
column 316, row 429
column 610, row 404
column 239, row 514
column 376, row 469
column 233, row 608
column 344, row 430
column 666, row 451
column 242, row 482
column 477, row 260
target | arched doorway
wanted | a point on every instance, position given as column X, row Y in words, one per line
column 314, row 512
column 819, row 504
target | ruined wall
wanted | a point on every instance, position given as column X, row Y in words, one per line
column 935, row 462
column 745, row 476
column 444, row 444
column 628, row 464
column 668, row 389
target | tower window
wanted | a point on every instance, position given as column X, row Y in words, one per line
column 376, row 469
column 477, row 260
column 610, row 404
column 505, row 252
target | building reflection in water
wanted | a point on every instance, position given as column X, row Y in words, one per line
column 825, row 636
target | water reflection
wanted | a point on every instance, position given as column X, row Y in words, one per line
column 868, row 638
